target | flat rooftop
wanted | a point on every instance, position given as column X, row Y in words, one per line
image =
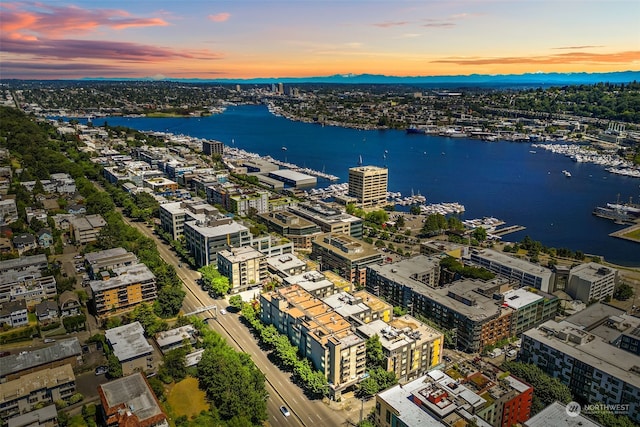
column 23, row 262
column 291, row 175
column 241, row 254
column 34, row 381
column 61, row 349
column 133, row 394
column 519, row 298
column 175, row 335
column 216, row 231
column 556, row 415
column 310, row 281
column 128, row 341
column 285, row 262
column 595, row 351
column 513, row 262
column 125, row 276
column 592, row 271
column 481, row 307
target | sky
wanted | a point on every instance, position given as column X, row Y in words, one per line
column 212, row 39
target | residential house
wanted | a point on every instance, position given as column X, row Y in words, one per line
column 45, row 237
column 69, row 304
column 14, row 313
column 47, row 312
column 24, row 242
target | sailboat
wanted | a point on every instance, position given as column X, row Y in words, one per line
column 360, row 160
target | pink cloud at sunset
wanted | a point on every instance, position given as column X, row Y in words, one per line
column 220, row 17
column 250, row 38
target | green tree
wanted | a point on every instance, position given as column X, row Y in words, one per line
column 115, row 368
column 174, row 365
column 233, row 384
column 375, row 355
column 480, row 234
column 169, row 301
column 235, row 301
column 623, row 292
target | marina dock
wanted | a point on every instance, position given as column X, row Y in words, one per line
column 506, row 230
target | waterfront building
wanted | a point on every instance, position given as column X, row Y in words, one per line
column 329, row 218
column 293, row 179
column 321, row 335
column 36, row 389
column 557, row 415
column 410, row 347
column 525, row 272
column 585, row 352
column 85, row 229
column 466, row 306
column 244, row 203
column 211, row 147
column 176, row 338
column 62, row 352
column 286, row 265
column 205, row 238
column 8, row 212
column 347, row 256
column 455, row 250
column 132, row 349
column 530, row 309
column 294, row 227
column 174, row 215
column 96, row 262
column 130, row 286
column 592, row 281
column 245, row 267
column 368, row 184
column 130, row 401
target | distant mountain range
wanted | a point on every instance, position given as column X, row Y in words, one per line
column 472, row 80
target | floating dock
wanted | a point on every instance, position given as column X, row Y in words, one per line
column 506, row 230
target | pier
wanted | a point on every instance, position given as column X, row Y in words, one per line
column 506, row 230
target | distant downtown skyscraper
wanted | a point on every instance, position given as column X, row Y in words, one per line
column 368, row 184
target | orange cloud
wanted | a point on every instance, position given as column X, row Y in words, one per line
column 52, row 21
column 220, row 17
column 564, row 58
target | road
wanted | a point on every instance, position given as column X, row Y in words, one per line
column 282, row 391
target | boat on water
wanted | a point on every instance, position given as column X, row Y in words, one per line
column 566, row 173
column 617, row 215
column 532, row 151
column 284, row 148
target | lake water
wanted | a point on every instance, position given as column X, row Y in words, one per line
column 501, row 179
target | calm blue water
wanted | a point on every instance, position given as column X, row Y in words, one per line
column 500, row 179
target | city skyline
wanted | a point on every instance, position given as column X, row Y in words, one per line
column 249, row 39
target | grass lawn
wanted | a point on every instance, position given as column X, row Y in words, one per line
column 635, row 234
column 185, row 398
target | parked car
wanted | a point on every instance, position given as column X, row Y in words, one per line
column 223, row 311
column 285, row 411
column 101, row 370
column 447, row 359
